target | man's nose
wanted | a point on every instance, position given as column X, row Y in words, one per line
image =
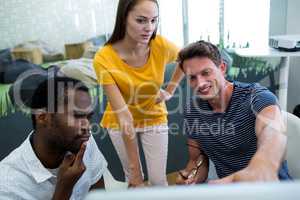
column 200, row 82
column 85, row 124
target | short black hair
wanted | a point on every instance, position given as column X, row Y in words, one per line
column 296, row 110
column 200, row 49
column 47, row 94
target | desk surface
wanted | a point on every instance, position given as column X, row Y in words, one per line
column 245, row 191
column 264, row 52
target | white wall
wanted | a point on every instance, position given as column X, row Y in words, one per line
column 293, row 27
column 278, row 16
column 284, row 19
column 56, row 21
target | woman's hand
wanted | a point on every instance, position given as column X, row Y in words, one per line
column 136, row 179
column 163, row 95
column 134, row 184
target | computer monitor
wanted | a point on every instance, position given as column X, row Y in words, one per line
column 238, row 191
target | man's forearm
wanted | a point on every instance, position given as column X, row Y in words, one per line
column 270, row 149
column 202, row 172
column 196, row 156
column 62, row 193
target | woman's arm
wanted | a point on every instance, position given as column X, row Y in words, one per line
column 166, row 94
column 177, row 76
column 126, row 126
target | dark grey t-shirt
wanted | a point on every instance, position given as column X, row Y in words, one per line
column 229, row 138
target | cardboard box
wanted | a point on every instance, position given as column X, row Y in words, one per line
column 76, row 50
column 32, row 55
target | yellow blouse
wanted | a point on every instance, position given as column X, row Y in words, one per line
column 138, row 85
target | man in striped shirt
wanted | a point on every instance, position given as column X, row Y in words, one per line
column 237, row 126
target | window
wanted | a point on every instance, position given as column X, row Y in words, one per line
column 246, row 23
column 203, row 19
column 233, row 23
column 171, row 24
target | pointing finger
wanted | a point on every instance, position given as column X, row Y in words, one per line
column 68, row 159
column 79, row 157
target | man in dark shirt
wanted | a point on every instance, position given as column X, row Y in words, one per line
column 236, row 125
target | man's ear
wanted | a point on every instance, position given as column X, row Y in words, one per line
column 42, row 119
column 223, row 68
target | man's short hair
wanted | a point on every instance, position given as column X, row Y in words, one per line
column 296, row 110
column 200, row 49
column 49, row 92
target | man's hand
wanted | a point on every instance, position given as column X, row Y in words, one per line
column 69, row 173
column 195, row 172
column 184, row 178
column 250, row 174
column 192, row 177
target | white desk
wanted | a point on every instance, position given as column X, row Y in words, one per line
column 246, row 191
column 284, row 67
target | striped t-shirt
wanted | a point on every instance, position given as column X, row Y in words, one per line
column 229, row 138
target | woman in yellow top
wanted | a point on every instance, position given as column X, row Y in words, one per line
column 131, row 67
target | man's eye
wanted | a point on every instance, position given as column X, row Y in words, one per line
column 205, row 73
column 78, row 116
column 192, row 77
column 89, row 117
